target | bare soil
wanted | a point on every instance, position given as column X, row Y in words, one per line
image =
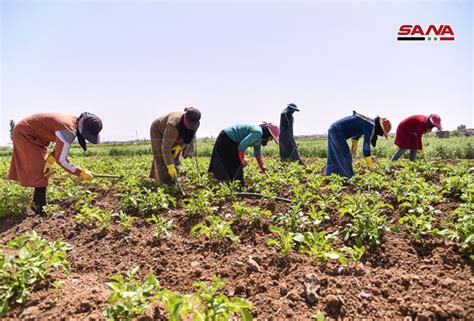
column 428, row 279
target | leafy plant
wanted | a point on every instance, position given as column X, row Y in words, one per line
column 318, row 245
column 215, row 228
column 286, row 239
column 251, row 213
column 14, row 199
column 218, row 306
column 419, row 225
column 125, row 221
column 199, row 204
column 355, row 253
column 34, row 260
column 163, row 226
column 130, row 297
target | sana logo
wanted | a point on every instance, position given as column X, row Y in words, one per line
column 432, row 33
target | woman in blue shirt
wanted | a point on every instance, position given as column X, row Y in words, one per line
column 228, row 154
column 339, row 155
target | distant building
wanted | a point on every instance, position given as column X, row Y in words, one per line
column 468, row 132
column 443, row 133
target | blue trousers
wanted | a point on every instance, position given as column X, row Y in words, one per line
column 339, row 155
column 402, row 151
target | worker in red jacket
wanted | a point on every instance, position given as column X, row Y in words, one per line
column 411, row 130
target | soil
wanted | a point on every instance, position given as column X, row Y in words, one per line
column 428, row 279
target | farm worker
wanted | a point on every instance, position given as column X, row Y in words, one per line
column 228, row 154
column 31, row 165
column 287, row 144
column 339, row 155
column 411, row 130
column 169, row 134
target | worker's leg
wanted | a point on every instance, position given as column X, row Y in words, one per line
column 398, row 154
column 413, row 154
column 39, row 200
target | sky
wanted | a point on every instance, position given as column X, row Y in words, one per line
column 238, row 62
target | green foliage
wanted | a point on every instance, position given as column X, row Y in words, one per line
column 14, row 199
column 129, row 297
column 215, row 228
column 34, row 260
column 162, row 226
column 145, row 201
column 101, row 218
column 125, row 221
column 355, row 253
column 419, row 225
column 219, row 307
column 199, row 204
column 318, row 245
column 462, row 228
column 286, row 239
column 249, row 213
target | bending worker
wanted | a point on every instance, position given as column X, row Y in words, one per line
column 411, row 130
column 31, row 165
column 288, row 149
column 228, row 154
column 339, row 155
column 169, row 134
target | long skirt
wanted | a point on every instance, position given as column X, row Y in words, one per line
column 288, row 148
column 225, row 163
column 339, row 155
column 28, row 158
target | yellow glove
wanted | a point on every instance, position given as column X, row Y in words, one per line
column 175, row 151
column 85, row 174
column 354, row 147
column 48, row 165
column 172, row 171
column 370, row 163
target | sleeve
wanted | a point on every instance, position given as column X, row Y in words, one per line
column 356, row 137
column 419, row 135
column 257, row 150
column 249, row 140
column 368, row 132
column 63, row 141
column 170, row 135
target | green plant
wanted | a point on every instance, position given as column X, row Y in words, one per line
column 199, row 204
column 318, row 245
column 218, row 306
column 355, row 254
column 286, row 239
column 33, row 261
column 419, row 225
column 462, row 229
column 125, row 221
column 163, row 226
column 14, row 199
column 367, row 227
column 147, row 200
column 215, row 228
column 251, row 213
column 129, row 297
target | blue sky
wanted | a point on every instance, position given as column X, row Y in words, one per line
column 132, row 61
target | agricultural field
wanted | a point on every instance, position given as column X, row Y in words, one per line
column 393, row 243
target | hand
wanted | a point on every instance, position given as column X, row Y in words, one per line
column 354, row 147
column 85, row 174
column 370, row 164
column 242, row 158
column 48, row 165
column 172, row 171
column 175, row 151
column 261, row 164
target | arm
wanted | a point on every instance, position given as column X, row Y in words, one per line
column 64, row 140
column 170, row 135
column 249, row 140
